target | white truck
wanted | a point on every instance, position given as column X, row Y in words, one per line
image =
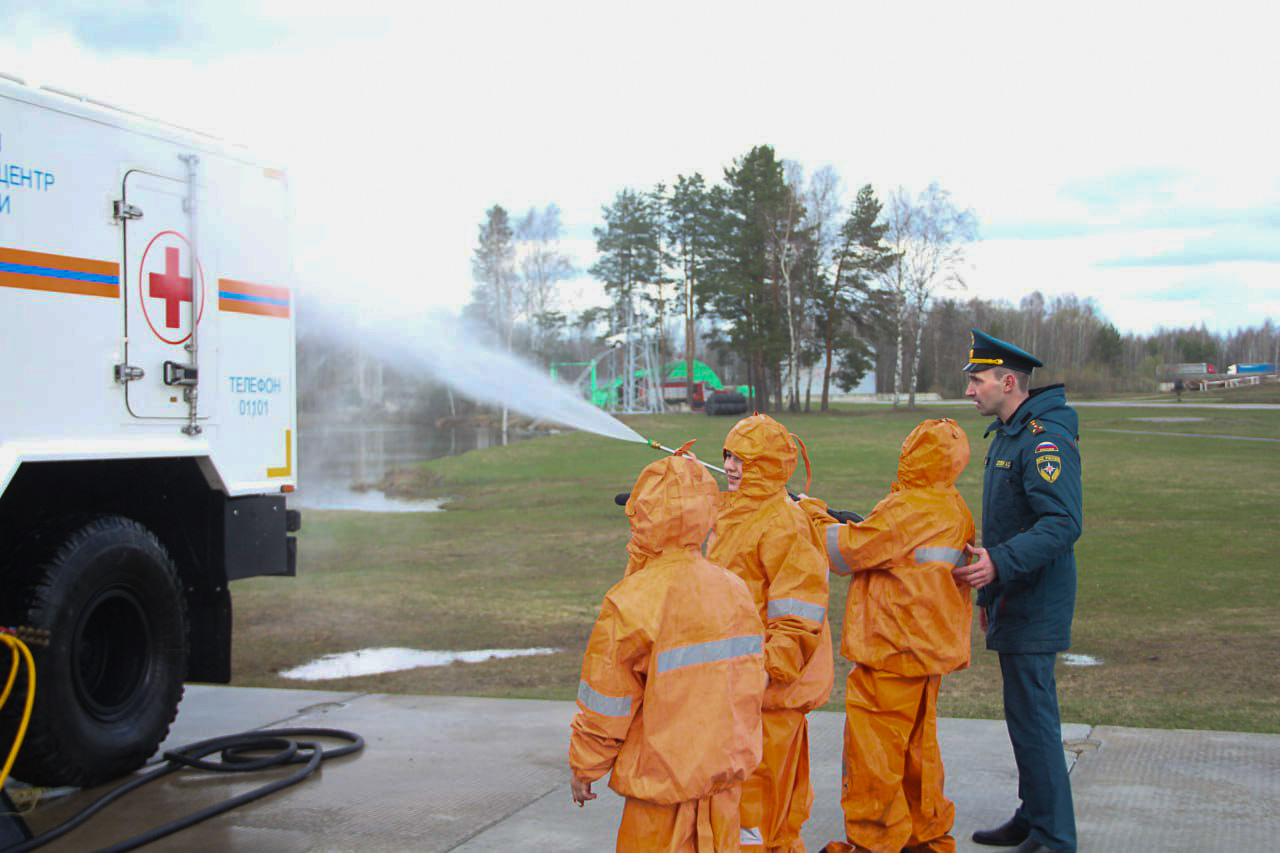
column 148, row 427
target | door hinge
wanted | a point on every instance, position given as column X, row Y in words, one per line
column 128, row 373
column 126, row 211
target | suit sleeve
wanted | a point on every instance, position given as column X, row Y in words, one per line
column 872, row 543
column 609, row 694
column 1051, row 520
column 797, row 597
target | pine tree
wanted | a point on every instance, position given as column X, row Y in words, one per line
column 631, row 261
column 691, row 213
column 746, row 291
column 848, row 306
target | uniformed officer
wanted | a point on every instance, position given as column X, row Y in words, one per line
column 1026, row 576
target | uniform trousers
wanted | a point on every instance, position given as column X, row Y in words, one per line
column 1035, row 730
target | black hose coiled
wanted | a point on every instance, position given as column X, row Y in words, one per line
column 240, row 753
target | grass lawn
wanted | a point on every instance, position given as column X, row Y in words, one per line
column 1177, row 565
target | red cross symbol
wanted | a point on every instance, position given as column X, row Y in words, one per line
column 174, row 289
column 170, row 286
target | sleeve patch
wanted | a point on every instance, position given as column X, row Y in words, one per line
column 1046, row 447
column 1049, row 467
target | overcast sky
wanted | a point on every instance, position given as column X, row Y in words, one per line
column 1123, row 152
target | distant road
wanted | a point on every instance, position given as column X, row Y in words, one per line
column 1138, row 404
column 1187, row 434
column 1120, row 404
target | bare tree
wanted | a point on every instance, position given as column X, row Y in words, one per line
column 543, row 265
column 822, row 209
column 1032, row 308
column 899, row 218
column 931, row 236
column 493, row 268
column 782, row 233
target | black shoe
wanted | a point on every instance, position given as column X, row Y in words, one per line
column 1030, row 846
column 1008, row 834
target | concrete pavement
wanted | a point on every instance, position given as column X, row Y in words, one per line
column 472, row 775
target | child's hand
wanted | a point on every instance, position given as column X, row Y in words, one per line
column 581, row 790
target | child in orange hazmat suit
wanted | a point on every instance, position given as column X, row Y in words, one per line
column 906, row 625
column 673, row 676
column 762, row 536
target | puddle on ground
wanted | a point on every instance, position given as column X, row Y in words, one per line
column 371, row 500
column 1190, row 420
column 1080, row 660
column 374, row 661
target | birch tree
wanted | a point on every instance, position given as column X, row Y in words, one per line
column 930, row 236
column 784, row 233
column 822, row 204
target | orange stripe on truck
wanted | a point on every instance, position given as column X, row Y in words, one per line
column 51, row 273
column 244, row 297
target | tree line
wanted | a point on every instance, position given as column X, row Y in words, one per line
column 1078, row 345
column 768, row 274
column 767, row 269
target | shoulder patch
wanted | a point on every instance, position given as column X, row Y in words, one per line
column 1046, row 447
column 1035, row 426
column 1049, row 467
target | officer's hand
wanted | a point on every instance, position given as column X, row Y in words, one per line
column 581, row 790
column 978, row 573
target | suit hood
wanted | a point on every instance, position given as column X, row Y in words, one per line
column 672, row 506
column 768, row 455
column 934, row 454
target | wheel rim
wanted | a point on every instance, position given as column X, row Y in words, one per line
column 112, row 653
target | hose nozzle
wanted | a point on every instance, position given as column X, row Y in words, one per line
column 656, row 446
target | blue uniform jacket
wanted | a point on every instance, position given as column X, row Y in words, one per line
column 1031, row 518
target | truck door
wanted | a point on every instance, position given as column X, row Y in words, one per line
column 166, row 280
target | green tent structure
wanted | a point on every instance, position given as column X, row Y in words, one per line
column 676, row 372
column 608, row 394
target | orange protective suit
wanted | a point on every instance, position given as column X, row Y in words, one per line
column 906, row 624
column 673, row 675
column 763, row 537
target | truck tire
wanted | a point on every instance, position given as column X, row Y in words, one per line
column 109, row 681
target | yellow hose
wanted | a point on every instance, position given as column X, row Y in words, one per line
column 18, row 648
